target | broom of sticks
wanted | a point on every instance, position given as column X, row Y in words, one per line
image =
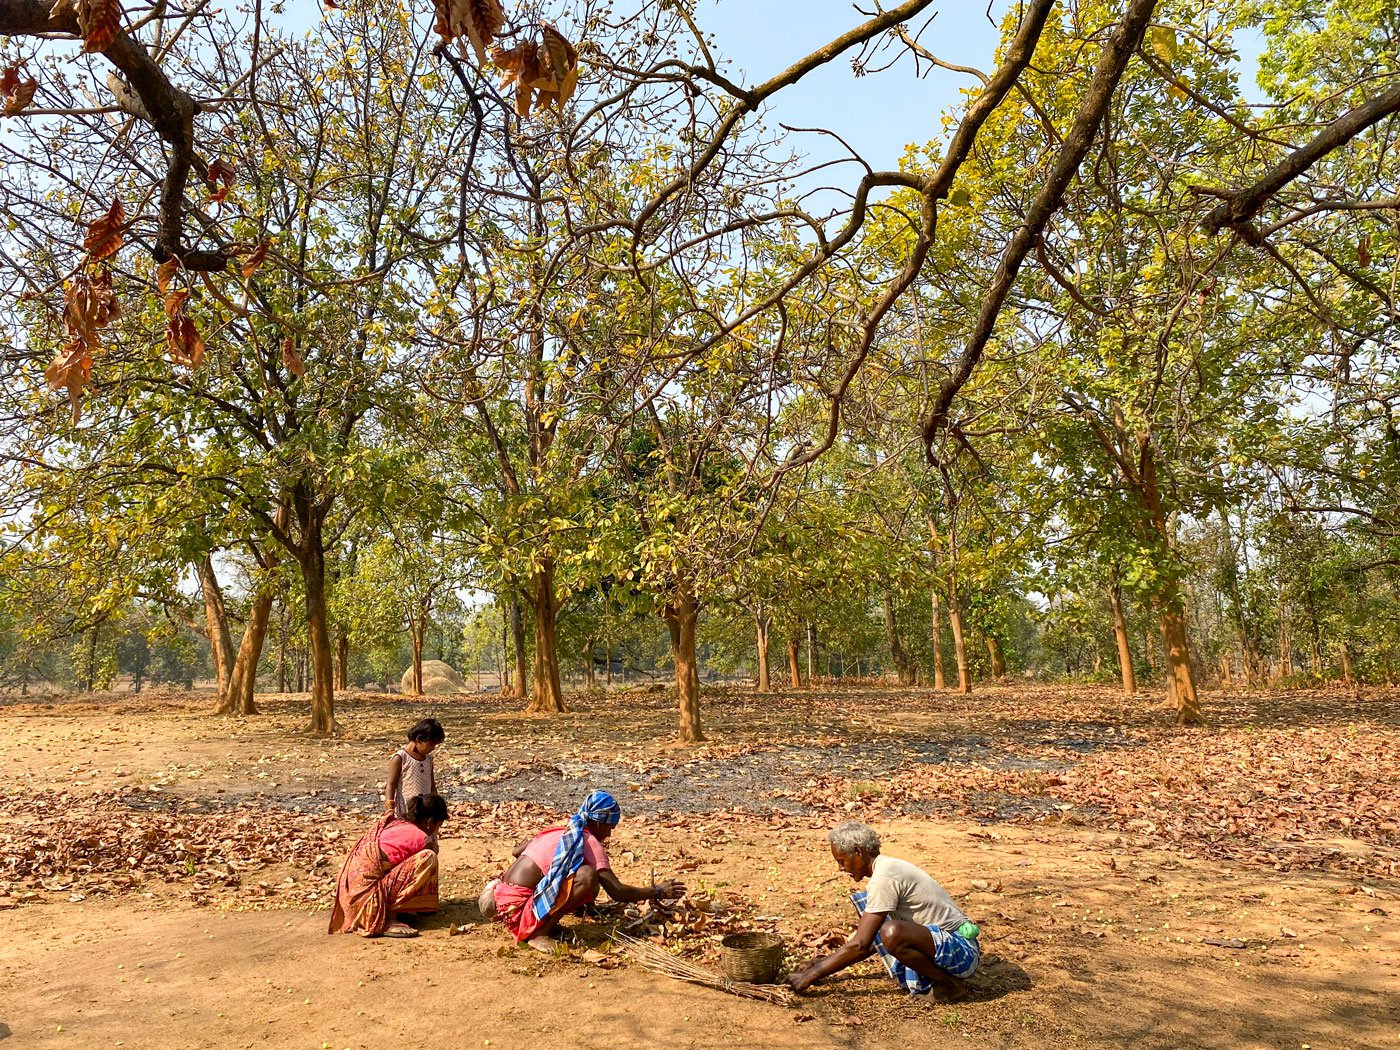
column 658, row 960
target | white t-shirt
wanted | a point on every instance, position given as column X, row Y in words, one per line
column 905, row 891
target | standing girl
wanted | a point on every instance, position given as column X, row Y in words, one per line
column 411, row 769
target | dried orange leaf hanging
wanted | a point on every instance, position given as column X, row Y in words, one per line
column 104, row 235
column 183, row 342
column 105, row 307
column 480, row 21
column 255, row 258
column 557, row 59
column 72, row 369
column 99, row 21
column 165, row 272
column 175, row 302
column 17, row 93
column 510, row 61
column 1363, row 251
column 220, row 174
column 89, row 304
column 291, row 358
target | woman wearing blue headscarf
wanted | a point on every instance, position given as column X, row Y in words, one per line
column 560, row 870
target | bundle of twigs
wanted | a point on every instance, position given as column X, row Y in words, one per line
column 659, row 960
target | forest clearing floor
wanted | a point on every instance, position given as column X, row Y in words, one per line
column 165, row 875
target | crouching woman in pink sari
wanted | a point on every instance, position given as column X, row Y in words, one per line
column 391, row 872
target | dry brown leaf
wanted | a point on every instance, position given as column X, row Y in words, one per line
column 255, row 258
column 480, row 21
column 524, row 95
column 183, row 342
column 568, row 84
column 100, row 22
column 557, row 58
column 17, row 93
column 511, row 61
column 71, row 369
column 104, row 235
column 220, row 176
column 175, row 302
column 165, row 272
column 1363, row 250
column 90, row 304
column 291, row 358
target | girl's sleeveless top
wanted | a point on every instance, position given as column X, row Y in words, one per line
column 415, row 778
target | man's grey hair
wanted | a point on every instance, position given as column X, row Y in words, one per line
column 854, row 837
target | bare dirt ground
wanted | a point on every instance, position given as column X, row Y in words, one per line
column 164, row 875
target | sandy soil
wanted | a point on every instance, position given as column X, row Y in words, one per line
column 1091, row 937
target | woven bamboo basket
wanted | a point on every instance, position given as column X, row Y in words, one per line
column 752, row 957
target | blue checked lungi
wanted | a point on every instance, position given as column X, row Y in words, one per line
column 954, row 954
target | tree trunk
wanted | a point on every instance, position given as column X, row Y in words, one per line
column 216, row 616
column 342, row 658
column 519, row 650
column 503, row 666
column 938, row 682
column 959, row 642
column 90, row 672
column 548, row 696
column 1346, row 663
column 318, row 637
column 1181, row 686
column 903, row 666
column 282, row 650
column 681, row 614
column 1120, row 636
column 244, row 678
column 1314, row 641
column 1285, row 645
column 762, row 623
column 588, row 665
column 417, row 628
column 811, row 655
column 794, row 669
column 998, row 662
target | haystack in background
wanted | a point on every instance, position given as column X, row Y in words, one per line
column 439, row 679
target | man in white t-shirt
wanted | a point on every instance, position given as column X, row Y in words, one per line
column 924, row 939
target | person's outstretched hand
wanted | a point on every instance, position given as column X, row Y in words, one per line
column 800, row 980
column 669, row 889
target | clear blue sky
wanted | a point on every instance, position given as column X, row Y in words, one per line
column 878, row 114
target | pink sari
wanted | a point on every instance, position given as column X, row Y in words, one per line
column 370, row 890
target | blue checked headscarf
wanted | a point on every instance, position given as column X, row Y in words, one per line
column 600, row 808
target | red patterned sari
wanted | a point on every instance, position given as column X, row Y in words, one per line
column 370, row 891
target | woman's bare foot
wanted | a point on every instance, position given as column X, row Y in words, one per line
column 543, row 942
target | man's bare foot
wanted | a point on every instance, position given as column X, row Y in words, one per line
column 949, row 990
column 543, row 942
